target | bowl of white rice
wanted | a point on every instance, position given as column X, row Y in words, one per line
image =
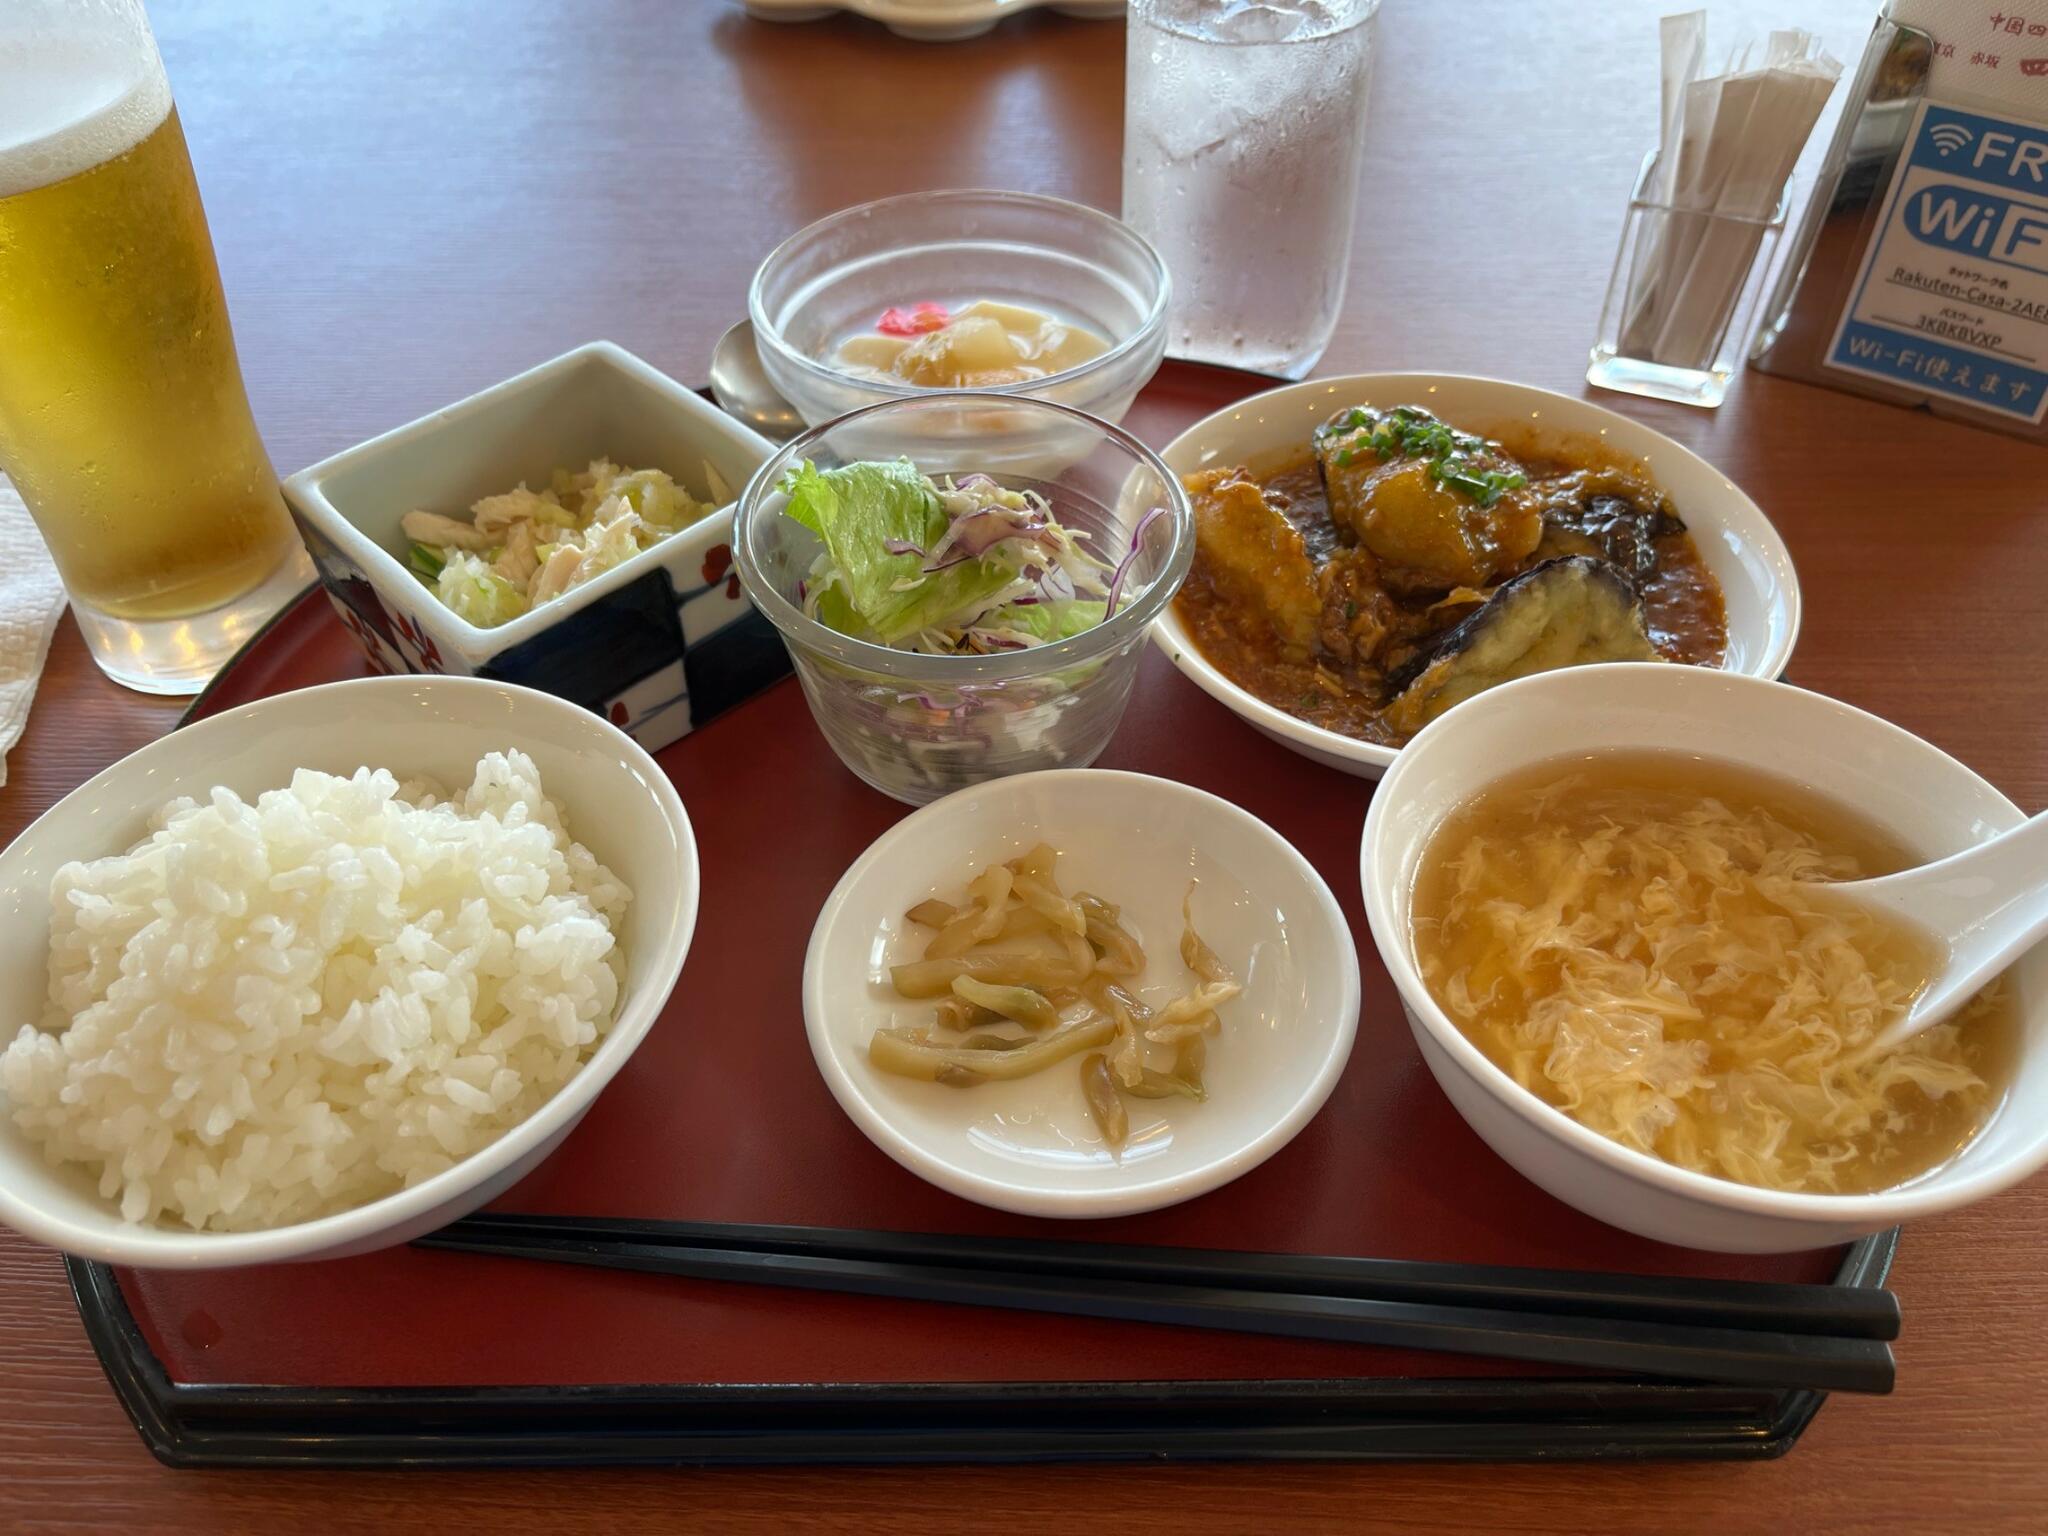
column 326, row 972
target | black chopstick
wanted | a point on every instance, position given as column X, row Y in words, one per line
column 1835, row 1310
column 1751, row 1357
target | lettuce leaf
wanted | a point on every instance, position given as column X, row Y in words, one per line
column 858, row 509
column 835, row 612
column 1047, row 621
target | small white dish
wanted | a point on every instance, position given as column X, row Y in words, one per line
column 1735, row 539
column 930, row 21
column 1930, row 802
column 619, row 805
column 657, row 645
column 1031, row 1146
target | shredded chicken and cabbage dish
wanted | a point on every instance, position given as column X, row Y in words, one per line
column 522, row 548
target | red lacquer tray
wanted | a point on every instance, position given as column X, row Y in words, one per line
column 410, row 1355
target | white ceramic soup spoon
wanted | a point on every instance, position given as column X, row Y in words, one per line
column 1988, row 904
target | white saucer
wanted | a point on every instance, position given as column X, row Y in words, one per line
column 1031, row 1145
column 930, row 21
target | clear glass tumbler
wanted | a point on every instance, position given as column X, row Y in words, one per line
column 919, row 726
column 1682, row 297
column 1244, row 133
column 123, row 420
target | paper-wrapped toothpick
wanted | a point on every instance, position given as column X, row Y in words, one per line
column 1728, row 145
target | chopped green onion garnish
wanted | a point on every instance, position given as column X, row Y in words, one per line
column 1407, row 431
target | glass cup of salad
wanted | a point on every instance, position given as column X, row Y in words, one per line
column 963, row 581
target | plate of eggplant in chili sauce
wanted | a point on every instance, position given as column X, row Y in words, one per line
column 1372, row 551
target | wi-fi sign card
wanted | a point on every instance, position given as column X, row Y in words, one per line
column 1952, row 298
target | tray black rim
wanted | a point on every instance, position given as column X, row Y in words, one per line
column 1367, row 1419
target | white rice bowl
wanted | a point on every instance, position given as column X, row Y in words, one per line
column 267, row 1013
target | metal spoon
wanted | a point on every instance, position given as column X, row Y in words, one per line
column 1988, row 903
column 741, row 387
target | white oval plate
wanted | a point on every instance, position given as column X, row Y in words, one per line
column 1031, row 1146
column 1735, row 539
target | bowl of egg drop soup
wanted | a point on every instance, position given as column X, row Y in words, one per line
column 1595, row 891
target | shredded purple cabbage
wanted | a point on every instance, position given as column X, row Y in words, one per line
column 971, row 536
column 1123, row 566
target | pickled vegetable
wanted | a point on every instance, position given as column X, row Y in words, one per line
column 1163, row 1085
column 1038, row 862
column 1117, row 951
column 1044, row 898
column 932, row 914
column 934, row 978
column 1192, row 1014
column 1195, row 955
column 1020, row 1003
column 958, row 1013
column 907, row 1054
column 988, row 1040
column 1018, row 956
column 1103, row 1101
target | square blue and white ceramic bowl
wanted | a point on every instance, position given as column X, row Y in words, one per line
column 657, row 645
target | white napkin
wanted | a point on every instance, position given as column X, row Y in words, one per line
column 31, row 598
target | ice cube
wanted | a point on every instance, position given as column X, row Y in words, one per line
column 1268, row 21
column 1199, row 128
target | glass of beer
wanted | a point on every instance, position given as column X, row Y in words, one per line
column 123, row 420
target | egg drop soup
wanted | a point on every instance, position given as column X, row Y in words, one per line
column 1633, row 937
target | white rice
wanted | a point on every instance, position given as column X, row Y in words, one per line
column 262, row 1014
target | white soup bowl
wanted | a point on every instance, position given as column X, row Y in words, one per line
column 1931, row 804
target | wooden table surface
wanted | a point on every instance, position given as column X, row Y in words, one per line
column 413, row 198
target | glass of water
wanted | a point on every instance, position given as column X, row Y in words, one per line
column 1244, row 128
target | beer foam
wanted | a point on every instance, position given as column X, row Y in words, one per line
column 72, row 103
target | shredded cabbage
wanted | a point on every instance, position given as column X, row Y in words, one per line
column 522, row 547
column 475, row 593
column 950, row 567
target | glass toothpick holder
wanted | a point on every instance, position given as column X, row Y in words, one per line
column 1684, row 292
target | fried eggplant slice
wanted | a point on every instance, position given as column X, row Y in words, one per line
column 1563, row 613
column 1254, row 557
column 1439, row 508
column 1609, row 513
